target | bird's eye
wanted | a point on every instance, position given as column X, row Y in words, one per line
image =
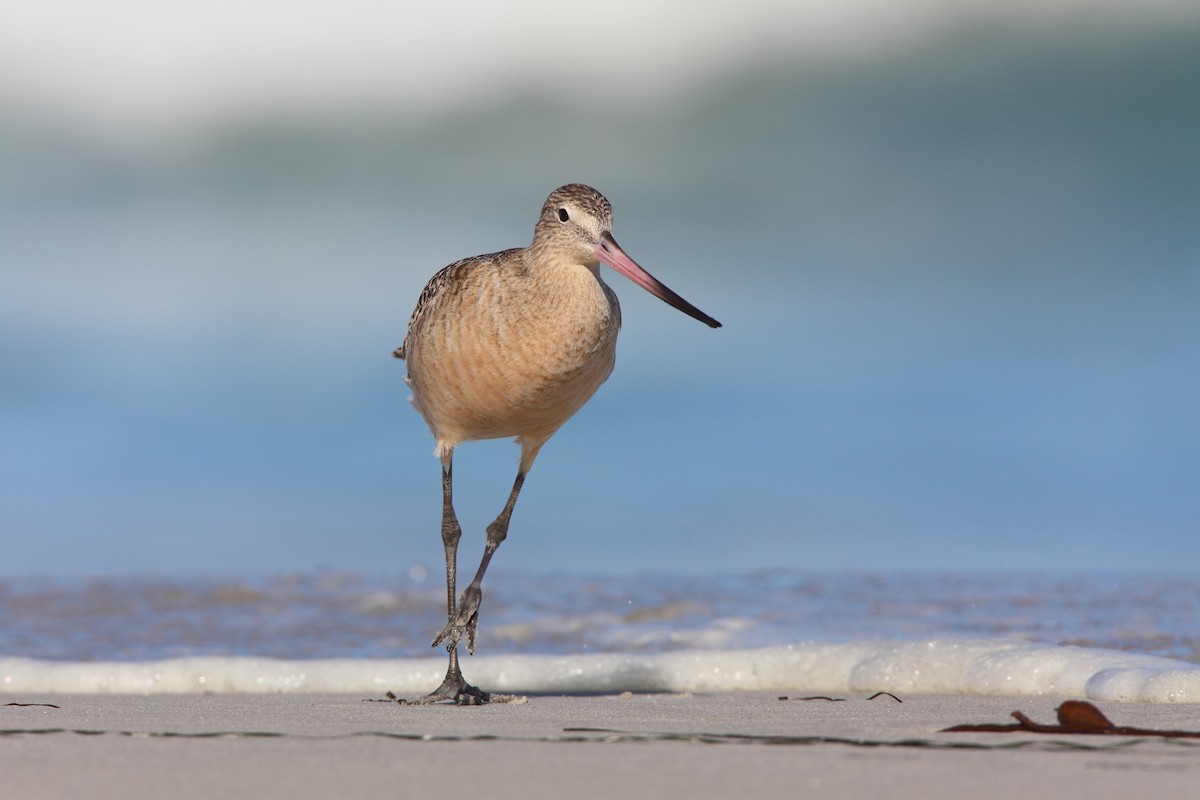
column 563, row 216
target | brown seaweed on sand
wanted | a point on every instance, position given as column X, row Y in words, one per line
column 1074, row 716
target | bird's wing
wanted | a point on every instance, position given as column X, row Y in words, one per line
column 444, row 282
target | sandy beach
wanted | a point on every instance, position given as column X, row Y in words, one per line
column 644, row 745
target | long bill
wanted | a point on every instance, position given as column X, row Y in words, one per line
column 611, row 253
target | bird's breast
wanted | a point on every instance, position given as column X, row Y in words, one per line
column 513, row 357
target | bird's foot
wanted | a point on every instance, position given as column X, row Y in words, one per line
column 454, row 689
column 462, row 693
column 465, row 621
column 472, row 697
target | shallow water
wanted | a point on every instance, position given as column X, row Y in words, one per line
column 334, row 615
column 1104, row 637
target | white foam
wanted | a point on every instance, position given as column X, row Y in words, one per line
column 982, row 667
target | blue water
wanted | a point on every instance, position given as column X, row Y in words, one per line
column 959, row 288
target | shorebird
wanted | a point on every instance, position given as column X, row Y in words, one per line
column 512, row 344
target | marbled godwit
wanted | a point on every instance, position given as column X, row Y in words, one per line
column 512, row 344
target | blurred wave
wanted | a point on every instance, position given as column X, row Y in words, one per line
column 958, row 281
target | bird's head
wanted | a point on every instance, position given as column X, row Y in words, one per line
column 577, row 221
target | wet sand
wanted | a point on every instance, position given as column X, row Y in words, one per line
column 647, row 745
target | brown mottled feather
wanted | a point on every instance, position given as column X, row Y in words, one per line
column 445, row 279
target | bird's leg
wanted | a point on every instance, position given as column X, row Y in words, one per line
column 454, row 687
column 451, row 532
column 467, row 618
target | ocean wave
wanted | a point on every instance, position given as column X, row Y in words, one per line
column 932, row 666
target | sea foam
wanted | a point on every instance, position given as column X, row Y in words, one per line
column 933, row 666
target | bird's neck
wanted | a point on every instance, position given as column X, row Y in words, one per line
column 552, row 270
column 571, row 287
